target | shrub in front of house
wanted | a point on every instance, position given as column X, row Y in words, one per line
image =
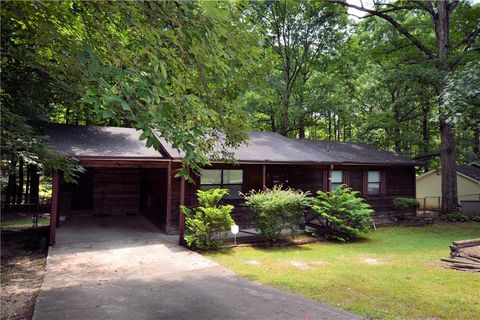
column 345, row 215
column 207, row 220
column 406, row 204
column 405, row 207
column 274, row 210
column 457, row 217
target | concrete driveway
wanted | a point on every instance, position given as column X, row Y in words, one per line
column 124, row 268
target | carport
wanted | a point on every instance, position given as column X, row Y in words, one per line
column 123, row 178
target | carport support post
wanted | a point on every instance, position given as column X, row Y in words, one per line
column 54, row 209
column 169, row 198
column 264, row 177
column 181, row 224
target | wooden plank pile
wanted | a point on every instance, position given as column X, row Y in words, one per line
column 464, row 255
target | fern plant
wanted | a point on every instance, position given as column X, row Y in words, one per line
column 208, row 219
column 345, row 215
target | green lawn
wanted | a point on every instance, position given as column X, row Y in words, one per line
column 394, row 274
column 23, row 222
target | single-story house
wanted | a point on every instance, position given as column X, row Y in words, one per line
column 124, row 177
column 429, row 186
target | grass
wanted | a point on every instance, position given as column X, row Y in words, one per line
column 23, row 222
column 395, row 273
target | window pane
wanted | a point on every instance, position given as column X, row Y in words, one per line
column 234, row 191
column 211, row 177
column 337, row 176
column 232, row 176
column 373, row 188
column 373, row 176
column 208, row 187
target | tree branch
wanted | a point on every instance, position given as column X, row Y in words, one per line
column 393, row 22
column 452, row 5
column 468, row 41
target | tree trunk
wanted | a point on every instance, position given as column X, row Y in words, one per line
column 272, row 122
column 34, row 184
column 425, row 132
column 397, row 139
column 339, row 128
column 27, row 185
column 284, row 117
column 335, row 123
column 12, row 184
column 67, row 113
column 21, row 178
column 301, row 127
column 447, row 135
column 449, row 174
column 329, row 126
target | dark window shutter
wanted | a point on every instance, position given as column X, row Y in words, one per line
column 383, row 183
column 346, row 177
column 325, row 180
column 365, row 183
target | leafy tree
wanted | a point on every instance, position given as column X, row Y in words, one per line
column 26, row 96
column 298, row 33
column 461, row 99
column 176, row 68
column 447, row 49
column 345, row 215
column 207, row 220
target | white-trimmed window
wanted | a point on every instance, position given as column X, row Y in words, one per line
column 223, row 178
column 373, row 182
column 337, row 178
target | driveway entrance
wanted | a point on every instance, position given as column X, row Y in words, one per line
column 124, row 268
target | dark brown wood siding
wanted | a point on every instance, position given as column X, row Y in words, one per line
column 306, row 178
column 116, row 191
column 395, row 182
column 127, row 190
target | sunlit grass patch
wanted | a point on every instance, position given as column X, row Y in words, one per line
column 395, row 273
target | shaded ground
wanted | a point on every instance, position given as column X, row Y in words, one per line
column 124, row 268
column 395, row 273
column 23, row 258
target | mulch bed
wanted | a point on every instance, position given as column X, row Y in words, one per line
column 258, row 241
column 23, row 260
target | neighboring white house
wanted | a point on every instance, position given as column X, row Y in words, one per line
column 429, row 186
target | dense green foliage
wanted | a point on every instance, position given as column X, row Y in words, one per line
column 370, row 84
column 345, row 215
column 173, row 67
column 459, row 217
column 406, row 204
column 275, row 209
column 207, row 220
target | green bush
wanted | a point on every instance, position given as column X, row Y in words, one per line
column 345, row 215
column 456, row 217
column 475, row 218
column 275, row 209
column 207, row 219
column 406, row 204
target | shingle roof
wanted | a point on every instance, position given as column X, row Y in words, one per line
column 266, row 147
column 260, row 147
column 93, row 141
column 471, row 170
column 355, row 153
